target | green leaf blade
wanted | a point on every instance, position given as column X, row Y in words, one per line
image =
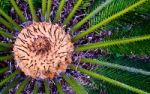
column 10, row 19
column 6, row 34
column 11, row 85
column 2, row 70
column 111, row 43
column 116, row 66
column 49, row 5
column 23, row 85
column 6, row 24
column 43, row 7
column 76, row 86
column 32, row 10
column 9, row 77
column 47, row 91
column 59, row 87
column 2, row 58
column 109, row 19
column 72, row 12
column 35, row 90
column 109, row 80
column 18, row 11
column 60, row 8
column 78, row 25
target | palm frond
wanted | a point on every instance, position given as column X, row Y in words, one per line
column 129, row 27
column 35, row 90
column 73, row 11
column 43, row 7
column 22, row 85
column 2, row 58
column 111, row 43
column 85, row 4
column 5, row 5
column 109, row 19
column 115, row 66
column 74, row 84
column 2, row 70
column 32, row 10
column 6, row 24
column 78, row 25
column 144, row 9
column 57, row 16
column 7, row 45
column 109, row 80
column 11, row 85
column 37, row 3
column 108, row 11
column 92, row 90
column 6, row 34
column 18, row 11
column 47, row 91
column 9, row 77
column 59, row 87
column 49, row 5
column 136, row 80
column 2, row 49
column 10, row 19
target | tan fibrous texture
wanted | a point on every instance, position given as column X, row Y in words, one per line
column 43, row 50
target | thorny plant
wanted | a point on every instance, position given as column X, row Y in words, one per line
column 44, row 50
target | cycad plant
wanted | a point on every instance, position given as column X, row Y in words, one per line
column 46, row 54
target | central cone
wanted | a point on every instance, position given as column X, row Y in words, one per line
column 43, row 50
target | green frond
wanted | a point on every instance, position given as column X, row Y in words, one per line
column 85, row 4
column 10, row 19
column 5, row 5
column 111, row 43
column 18, row 11
column 49, row 5
column 108, row 11
column 2, row 70
column 73, row 11
column 92, row 90
column 137, row 80
column 115, row 66
column 9, row 77
column 11, row 84
column 74, row 84
column 2, row 58
column 138, row 26
column 144, row 9
column 43, row 7
column 3, row 49
column 22, row 85
column 47, row 91
column 7, row 45
column 109, row 19
column 78, row 25
column 37, row 3
column 32, row 10
column 35, row 90
column 59, row 87
column 6, row 34
column 60, row 8
column 109, row 80
column 5, row 23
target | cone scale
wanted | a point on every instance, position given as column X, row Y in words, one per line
column 43, row 50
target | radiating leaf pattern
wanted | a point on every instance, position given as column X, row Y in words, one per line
column 107, row 74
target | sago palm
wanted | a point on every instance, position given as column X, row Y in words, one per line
column 49, row 51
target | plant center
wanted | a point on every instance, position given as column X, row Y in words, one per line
column 43, row 50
